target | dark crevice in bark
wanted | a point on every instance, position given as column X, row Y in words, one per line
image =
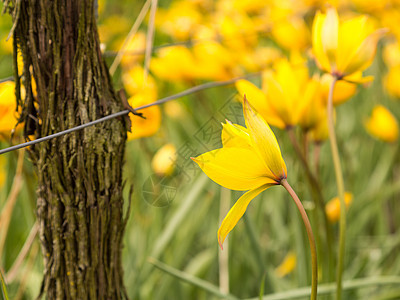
column 79, row 194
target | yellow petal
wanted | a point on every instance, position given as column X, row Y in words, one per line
column 311, row 107
column 291, row 78
column 234, row 135
column 329, row 35
column 259, row 101
column 352, row 33
column 364, row 55
column 277, row 114
column 234, row 168
column 318, row 49
column 357, row 78
column 237, row 211
column 265, row 142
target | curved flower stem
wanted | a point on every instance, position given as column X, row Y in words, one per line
column 340, row 188
column 314, row 263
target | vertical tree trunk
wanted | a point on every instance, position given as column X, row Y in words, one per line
column 80, row 203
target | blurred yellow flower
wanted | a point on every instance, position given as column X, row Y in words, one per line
column 143, row 91
column 213, row 61
column 287, row 266
column 174, row 64
column 342, row 91
column 389, row 18
column 392, row 80
column 134, row 82
column 163, row 162
column 344, row 48
column 8, row 115
column 313, row 113
column 282, row 98
column 237, row 30
column 291, row 33
column 391, row 54
column 383, row 125
column 179, row 20
column 144, row 127
column 250, row 159
column 371, row 6
column 259, row 59
column 332, row 208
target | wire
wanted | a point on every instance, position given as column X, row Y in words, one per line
column 125, row 112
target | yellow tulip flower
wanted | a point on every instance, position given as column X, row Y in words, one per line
column 283, row 97
column 250, row 159
column 332, row 208
column 383, row 125
column 343, row 48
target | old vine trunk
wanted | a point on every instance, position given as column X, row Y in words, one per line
column 64, row 82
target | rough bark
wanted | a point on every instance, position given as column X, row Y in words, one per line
column 79, row 195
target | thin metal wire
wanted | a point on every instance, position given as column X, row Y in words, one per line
column 11, row 78
column 125, row 112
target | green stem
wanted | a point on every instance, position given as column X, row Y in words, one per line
column 318, row 201
column 340, row 188
column 314, row 263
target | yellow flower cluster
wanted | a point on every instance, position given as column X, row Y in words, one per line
column 219, row 40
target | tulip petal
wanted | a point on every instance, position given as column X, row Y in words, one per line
column 235, row 168
column 362, row 58
column 352, row 33
column 259, row 101
column 329, row 34
column 265, row 142
column 318, row 49
column 357, row 78
column 234, row 135
column 237, row 211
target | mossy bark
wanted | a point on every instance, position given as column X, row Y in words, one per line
column 79, row 195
